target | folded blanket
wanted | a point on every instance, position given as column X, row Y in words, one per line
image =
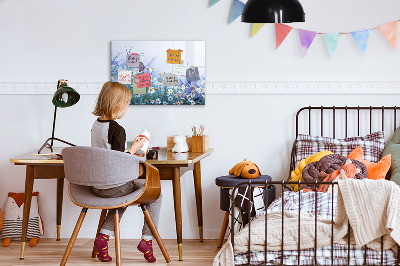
column 373, row 209
column 225, row 256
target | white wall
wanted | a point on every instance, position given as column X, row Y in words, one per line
column 42, row 41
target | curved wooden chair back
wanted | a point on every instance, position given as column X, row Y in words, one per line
column 152, row 186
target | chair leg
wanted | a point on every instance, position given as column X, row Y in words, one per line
column 117, row 239
column 154, row 230
column 101, row 222
column 223, row 229
column 73, row 237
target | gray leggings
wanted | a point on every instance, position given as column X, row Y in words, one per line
column 154, row 208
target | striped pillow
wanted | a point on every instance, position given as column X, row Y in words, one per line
column 372, row 145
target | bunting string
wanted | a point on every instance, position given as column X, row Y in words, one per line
column 361, row 37
column 343, row 33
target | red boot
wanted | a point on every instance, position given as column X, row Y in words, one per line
column 101, row 245
column 146, row 247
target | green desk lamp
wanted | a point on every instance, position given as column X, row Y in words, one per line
column 65, row 96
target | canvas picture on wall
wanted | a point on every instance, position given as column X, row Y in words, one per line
column 160, row 72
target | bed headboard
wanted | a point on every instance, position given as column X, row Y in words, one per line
column 344, row 121
column 347, row 115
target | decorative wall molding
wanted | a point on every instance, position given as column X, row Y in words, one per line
column 304, row 87
column 47, row 88
column 234, row 87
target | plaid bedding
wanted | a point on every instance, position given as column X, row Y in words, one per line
column 323, row 207
column 372, row 145
column 324, row 257
column 306, row 202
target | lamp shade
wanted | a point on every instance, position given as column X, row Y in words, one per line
column 273, row 11
column 65, row 96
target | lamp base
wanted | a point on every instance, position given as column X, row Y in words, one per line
column 50, row 146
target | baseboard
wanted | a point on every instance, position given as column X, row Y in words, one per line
column 232, row 87
column 135, row 233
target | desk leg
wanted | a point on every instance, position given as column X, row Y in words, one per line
column 60, row 190
column 176, row 182
column 27, row 206
column 199, row 204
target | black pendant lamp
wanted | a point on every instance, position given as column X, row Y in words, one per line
column 273, row 11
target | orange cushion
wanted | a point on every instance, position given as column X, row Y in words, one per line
column 375, row 170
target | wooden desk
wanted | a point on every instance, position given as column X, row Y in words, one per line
column 40, row 167
column 169, row 165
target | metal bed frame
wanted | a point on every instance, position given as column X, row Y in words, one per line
column 283, row 184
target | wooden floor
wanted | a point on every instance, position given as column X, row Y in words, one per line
column 50, row 252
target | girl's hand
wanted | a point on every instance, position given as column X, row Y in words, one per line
column 143, row 155
column 137, row 144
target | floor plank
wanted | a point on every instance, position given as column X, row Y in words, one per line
column 49, row 252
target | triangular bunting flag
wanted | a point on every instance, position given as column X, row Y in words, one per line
column 237, row 9
column 281, row 31
column 361, row 38
column 306, row 39
column 390, row 32
column 332, row 41
column 213, row 2
column 256, row 27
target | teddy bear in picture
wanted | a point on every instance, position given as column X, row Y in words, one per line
column 180, row 144
column 13, row 215
column 245, row 169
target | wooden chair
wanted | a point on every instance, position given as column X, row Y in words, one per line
column 85, row 167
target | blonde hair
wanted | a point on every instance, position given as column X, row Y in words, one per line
column 112, row 99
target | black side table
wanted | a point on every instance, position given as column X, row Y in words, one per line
column 226, row 183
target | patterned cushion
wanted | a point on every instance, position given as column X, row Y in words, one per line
column 372, row 144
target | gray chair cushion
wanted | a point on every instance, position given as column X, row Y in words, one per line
column 99, row 167
column 84, row 196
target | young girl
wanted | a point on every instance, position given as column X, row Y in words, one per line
column 112, row 104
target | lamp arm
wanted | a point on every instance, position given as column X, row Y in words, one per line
column 55, row 115
column 46, row 143
column 54, row 126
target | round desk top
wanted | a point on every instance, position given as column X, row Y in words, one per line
column 230, row 181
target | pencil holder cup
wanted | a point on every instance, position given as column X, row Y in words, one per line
column 200, row 143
